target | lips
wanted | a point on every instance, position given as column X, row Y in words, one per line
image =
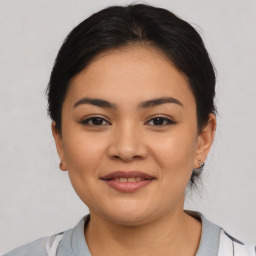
column 127, row 181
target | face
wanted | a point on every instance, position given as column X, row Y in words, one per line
column 145, row 121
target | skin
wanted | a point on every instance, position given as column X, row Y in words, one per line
column 129, row 139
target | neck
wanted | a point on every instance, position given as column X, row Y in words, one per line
column 165, row 236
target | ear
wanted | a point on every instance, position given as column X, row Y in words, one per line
column 59, row 146
column 205, row 140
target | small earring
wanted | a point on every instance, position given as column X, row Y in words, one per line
column 201, row 164
column 60, row 166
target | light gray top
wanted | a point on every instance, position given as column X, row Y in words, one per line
column 73, row 242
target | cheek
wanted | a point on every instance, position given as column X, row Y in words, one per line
column 83, row 153
column 175, row 154
column 83, row 156
column 175, row 159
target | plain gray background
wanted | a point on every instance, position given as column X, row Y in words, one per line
column 37, row 198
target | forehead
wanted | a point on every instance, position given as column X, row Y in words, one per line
column 131, row 73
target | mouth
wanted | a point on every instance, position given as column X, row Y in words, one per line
column 127, row 181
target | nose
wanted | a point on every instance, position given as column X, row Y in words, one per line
column 127, row 144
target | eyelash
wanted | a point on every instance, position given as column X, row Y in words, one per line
column 86, row 121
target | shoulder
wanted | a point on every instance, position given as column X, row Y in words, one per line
column 215, row 241
column 62, row 243
column 35, row 248
column 229, row 244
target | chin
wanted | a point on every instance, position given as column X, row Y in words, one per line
column 128, row 220
column 128, row 214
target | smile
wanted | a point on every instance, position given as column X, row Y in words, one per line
column 132, row 179
column 127, row 182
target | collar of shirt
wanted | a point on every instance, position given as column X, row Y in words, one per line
column 74, row 243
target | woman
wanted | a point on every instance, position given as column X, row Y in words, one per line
column 131, row 97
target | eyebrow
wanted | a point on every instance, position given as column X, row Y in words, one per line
column 145, row 104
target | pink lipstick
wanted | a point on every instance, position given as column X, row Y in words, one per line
column 127, row 181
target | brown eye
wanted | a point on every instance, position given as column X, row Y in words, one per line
column 161, row 121
column 94, row 121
